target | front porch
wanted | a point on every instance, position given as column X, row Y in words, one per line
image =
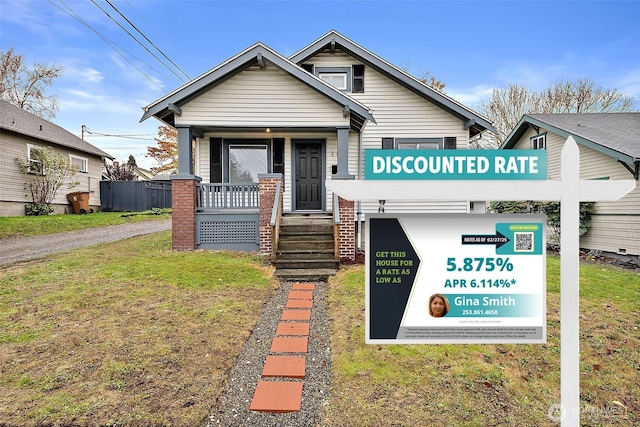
column 245, row 217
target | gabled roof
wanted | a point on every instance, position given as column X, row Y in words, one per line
column 17, row 120
column 614, row 134
column 168, row 106
column 334, row 40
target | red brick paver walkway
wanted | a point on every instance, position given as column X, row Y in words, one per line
column 284, row 370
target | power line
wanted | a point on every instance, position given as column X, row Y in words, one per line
column 139, row 136
column 137, row 41
column 111, row 44
column 147, row 39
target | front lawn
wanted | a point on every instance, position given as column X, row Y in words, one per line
column 127, row 333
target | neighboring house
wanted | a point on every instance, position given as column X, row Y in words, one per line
column 260, row 119
column 609, row 149
column 20, row 133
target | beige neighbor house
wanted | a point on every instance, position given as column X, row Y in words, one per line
column 264, row 126
column 609, row 149
column 22, row 132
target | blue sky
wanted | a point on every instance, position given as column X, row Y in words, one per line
column 473, row 46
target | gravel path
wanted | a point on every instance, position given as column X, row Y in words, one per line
column 28, row 248
column 233, row 407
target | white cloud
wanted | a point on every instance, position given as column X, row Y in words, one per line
column 470, row 96
column 629, row 84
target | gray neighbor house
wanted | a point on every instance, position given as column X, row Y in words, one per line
column 20, row 133
column 609, row 149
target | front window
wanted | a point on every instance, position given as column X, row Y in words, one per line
column 246, row 162
column 539, row 142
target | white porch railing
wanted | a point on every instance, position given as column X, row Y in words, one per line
column 227, row 196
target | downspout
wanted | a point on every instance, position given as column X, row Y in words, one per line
column 359, row 203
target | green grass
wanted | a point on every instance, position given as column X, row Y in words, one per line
column 127, row 333
column 489, row 385
column 25, row 226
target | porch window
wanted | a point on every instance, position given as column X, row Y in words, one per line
column 539, row 142
column 246, row 162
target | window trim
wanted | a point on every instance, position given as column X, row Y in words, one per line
column 85, row 161
column 346, row 71
column 534, row 140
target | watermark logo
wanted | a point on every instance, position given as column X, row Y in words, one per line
column 557, row 412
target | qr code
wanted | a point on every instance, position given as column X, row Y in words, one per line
column 524, row 242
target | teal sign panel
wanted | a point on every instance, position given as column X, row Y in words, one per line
column 455, row 164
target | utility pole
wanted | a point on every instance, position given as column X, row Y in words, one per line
column 83, row 126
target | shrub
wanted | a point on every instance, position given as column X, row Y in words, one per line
column 36, row 209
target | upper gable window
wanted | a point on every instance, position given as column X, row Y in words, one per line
column 539, row 142
column 338, row 77
column 338, row 80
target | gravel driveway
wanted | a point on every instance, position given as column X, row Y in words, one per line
column 27, row 248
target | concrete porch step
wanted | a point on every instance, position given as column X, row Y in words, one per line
column 309, row 275
column 297, row 263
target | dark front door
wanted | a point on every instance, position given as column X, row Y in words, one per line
column 308, row 175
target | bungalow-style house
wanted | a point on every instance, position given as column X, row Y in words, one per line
column 20, row 134
column 259, row 134
column 609, row 149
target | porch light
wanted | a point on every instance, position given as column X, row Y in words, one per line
column 268, row 130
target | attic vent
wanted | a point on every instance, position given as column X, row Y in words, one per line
column 41, row 127
column 450, row 142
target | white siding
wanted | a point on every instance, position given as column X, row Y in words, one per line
column 399, row 113
column 13, row 194
column 262, row 98
column 615, row 225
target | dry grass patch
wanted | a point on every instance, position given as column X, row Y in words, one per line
column 489, row 385
column 126, row 334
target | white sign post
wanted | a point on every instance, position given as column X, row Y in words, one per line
column 570, row 191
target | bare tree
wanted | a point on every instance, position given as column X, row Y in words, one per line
column 25, row 87
column 507, row 105
column 117, row 171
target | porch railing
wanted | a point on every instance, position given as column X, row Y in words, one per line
column 227, row 196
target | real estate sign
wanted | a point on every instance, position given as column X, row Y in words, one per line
column 455, row 278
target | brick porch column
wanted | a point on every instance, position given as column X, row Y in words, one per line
column 267, row 185
column 347, row 229
column 183, row 208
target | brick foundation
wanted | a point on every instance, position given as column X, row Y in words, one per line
column 267, row 193
column 347, row 230
column 183, row 217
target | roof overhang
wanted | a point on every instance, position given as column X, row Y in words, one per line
column 527, row 121
column 167, row 108
column 334, row 40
